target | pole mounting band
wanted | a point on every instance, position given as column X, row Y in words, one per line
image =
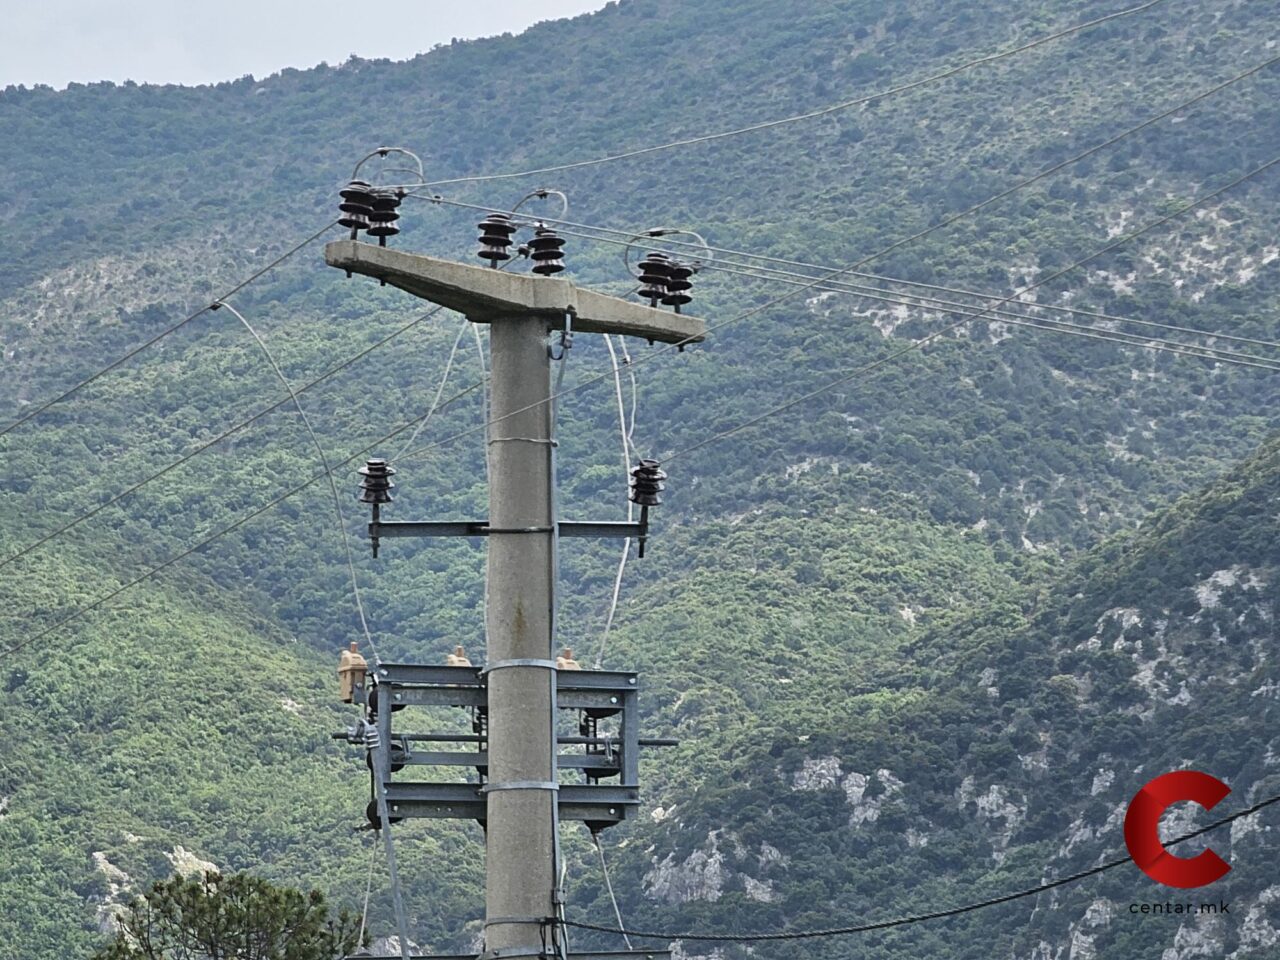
column 492, row 530
column 549, row 785
column 519, row 662
column 513, row 952
column 540, row 921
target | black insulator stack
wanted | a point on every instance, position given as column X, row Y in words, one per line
column 646, row 483
column 356, row 206
column 655, row 268
column 375, row 490
column 376, row 486
column 678, row 285
column 383, row 216
column 496, row 231
column 545, row 250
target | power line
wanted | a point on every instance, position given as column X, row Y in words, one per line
column 163, row 333
column 660, row 240
column 626, row 431
column 754, row 311
column 978, row 295
column 919, row 344
column 773, row 273
column 324, row 462
column 217, row 439
column 1035, row 323
column 93, row 605
column 608, row 884
column 1202, row 351
column 1022, row 184
column 917, row 917
column 813, row 114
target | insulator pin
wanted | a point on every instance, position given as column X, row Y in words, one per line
column 655, row 269
column 375, row 490
column 496, row 231
column 383, row 216
column 678, row 285
column 545, row 250
column 646, row 483
column 376, row 486
column 356, row 206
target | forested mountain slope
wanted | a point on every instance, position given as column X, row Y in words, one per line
column 1005, row 758
column 925, row 534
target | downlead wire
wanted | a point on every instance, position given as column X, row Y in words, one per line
column 341, row 531
column 163, row 333
column 216, row 440
column 235, row 525
column 813, row 114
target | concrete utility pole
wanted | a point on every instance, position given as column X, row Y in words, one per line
column 521, row 795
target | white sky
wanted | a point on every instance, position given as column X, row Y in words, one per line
column 180, row 41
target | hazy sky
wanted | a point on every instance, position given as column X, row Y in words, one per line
column 178, row 41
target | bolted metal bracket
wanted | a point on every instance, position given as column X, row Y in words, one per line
column 478, row 528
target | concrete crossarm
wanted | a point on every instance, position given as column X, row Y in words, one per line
column 485, row 295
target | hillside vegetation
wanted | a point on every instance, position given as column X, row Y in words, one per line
column 921, row 638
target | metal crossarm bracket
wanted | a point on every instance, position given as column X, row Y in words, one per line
column 479, row 528
column 599, row 770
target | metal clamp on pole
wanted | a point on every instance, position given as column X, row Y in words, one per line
column 524, row 662
column 513, row 952
column 498, row 921
column 521, row 785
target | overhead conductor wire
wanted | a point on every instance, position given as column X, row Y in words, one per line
column 918, row 917
column 833, row 108
column 946, row 221
column 234, row 525
column 1200, row 351
column 917, row 345
column 1046, row 324
column 163, row 333
column 324, row 461
column 219, row 438
column 838, row 272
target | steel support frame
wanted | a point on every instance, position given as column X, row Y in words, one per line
column 607, row 693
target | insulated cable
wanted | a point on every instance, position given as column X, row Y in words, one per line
column 917, row 917
column 163, row 333
column 628, row 447
column 217, row 439
column 608, row 885
column 324, row 462
column 234, row 525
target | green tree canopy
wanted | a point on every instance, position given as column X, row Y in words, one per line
column 237, row 917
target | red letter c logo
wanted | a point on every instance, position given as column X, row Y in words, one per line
column 1142, row 829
